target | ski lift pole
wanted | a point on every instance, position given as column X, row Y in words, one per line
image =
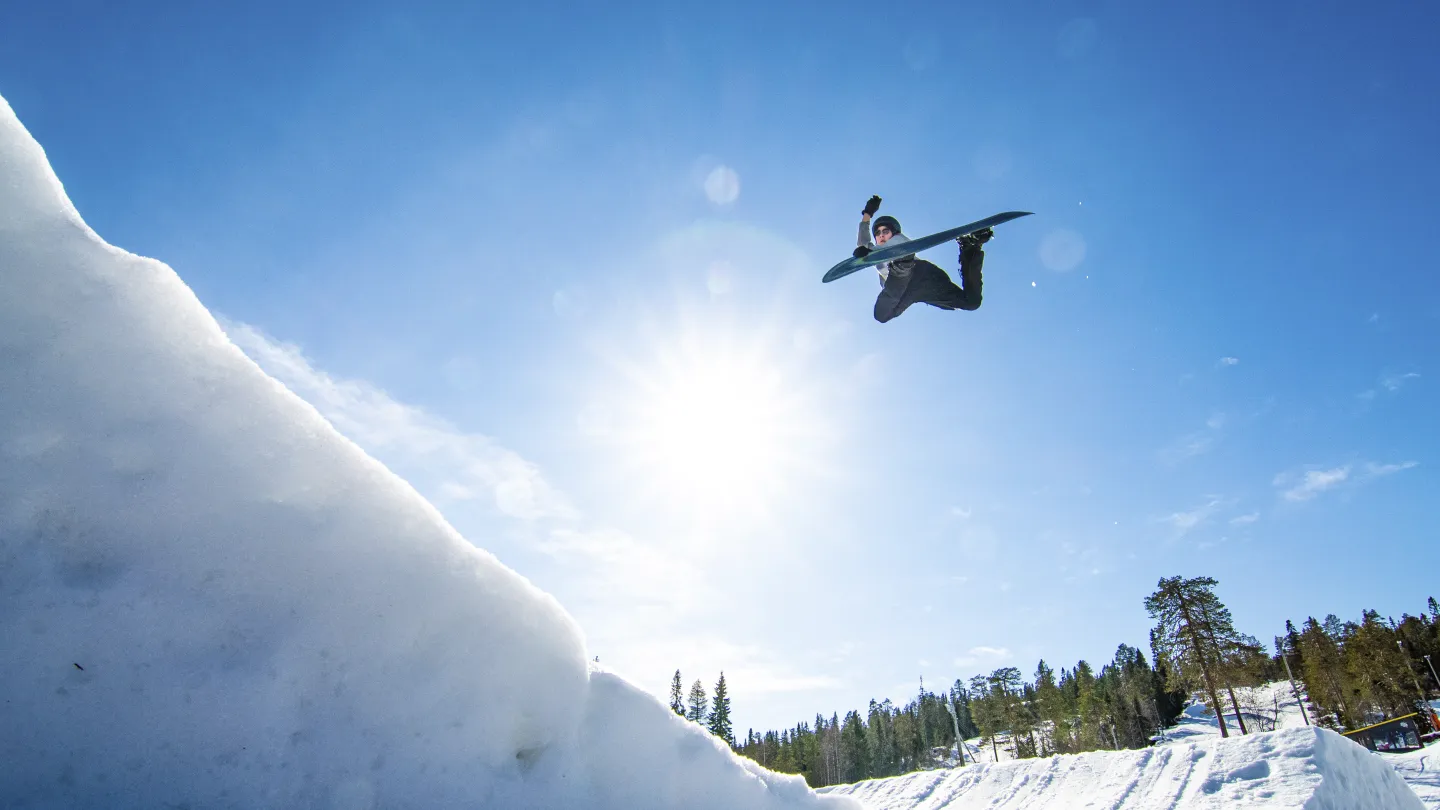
column 1435, row 719
column 1291, row 677
column 1424, row 704
column 955, row 718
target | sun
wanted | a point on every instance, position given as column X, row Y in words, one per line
column 718, row 429
column 715, row 426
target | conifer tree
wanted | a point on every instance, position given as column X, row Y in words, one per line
column 677, row 700
column 720, row 712
column 1380, row 673
column 1322, row 670
column 1049, row 706
column 1191, row 623
column 987, row 712
column 699, row 701
column 854, row 749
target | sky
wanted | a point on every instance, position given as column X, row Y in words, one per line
column 560, row 270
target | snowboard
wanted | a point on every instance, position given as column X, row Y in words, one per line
column 897, row 250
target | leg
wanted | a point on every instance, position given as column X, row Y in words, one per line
column 936, row 288
column 893, row 299
column 972, row 259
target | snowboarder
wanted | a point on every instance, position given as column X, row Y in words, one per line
column 913, row 280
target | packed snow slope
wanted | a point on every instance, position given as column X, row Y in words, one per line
column 1309, row 768
column 209, row 598
column 1421, row 771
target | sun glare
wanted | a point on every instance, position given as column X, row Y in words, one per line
column 717, row 432
column 716, row 427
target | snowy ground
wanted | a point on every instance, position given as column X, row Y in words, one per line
column 210, row 598
column 1191, row 767
column 1421, row 770
column 1294, row 768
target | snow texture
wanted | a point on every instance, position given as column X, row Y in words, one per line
column 1421, row 770
column 210, row 598
column 1309, row 768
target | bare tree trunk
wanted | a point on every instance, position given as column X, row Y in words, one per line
column 1239, row 718
column 1204, row 670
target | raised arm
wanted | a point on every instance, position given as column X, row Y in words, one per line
column 863, row 239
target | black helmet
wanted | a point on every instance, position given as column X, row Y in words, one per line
column 887, row 220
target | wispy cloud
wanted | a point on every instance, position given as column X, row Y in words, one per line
column 1187, row 447
column 1229, row 361
column 750, row 669
column 1311, row 482
column 1391, row 383
column 1242, row 520
column 1194, row 444
column 445, row 463
column 1185, row 522
column 624, row 574
column 982, row 656
column 1394, row 382
column 1297, row 486
column 1373, row 470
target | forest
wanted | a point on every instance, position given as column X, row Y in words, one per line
column 1348, row 674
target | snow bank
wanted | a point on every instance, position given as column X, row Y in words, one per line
column 209, row 598
column 1308, row 768
column 1421, row 771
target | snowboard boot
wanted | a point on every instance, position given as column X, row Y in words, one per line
column 970, row 241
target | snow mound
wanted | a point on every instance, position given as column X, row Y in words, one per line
column 210, row 598
column 1309, row 768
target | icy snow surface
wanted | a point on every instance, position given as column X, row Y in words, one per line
column 210, row 598
column 1297, row 768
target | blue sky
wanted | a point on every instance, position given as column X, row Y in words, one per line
column 483, row 241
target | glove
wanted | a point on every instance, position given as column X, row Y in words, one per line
column 861, row 252
column 976, row 239
column 871, row 206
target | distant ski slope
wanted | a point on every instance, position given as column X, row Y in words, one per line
column 1297, row 768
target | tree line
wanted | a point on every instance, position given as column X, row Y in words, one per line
column 1347, row 675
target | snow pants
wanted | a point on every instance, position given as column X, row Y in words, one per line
column 920, row 282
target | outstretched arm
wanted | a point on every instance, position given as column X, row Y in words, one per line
column 871, row 206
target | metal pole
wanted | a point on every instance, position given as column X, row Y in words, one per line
column 1434, row 718
column 955, row 718
column 1291, row 676
column 1411, row 670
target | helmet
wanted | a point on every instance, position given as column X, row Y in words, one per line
column 888, row 221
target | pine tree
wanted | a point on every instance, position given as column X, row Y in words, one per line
column 987, row 710
column 1190, row 622
column 698, row 702
column 720, row 712
column 1380, row 672
column 677, row 701
column 1322, row 670
column 854, row 749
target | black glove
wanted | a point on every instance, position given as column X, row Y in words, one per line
column 976, row 239
column 861, row 252
column 872, row 205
